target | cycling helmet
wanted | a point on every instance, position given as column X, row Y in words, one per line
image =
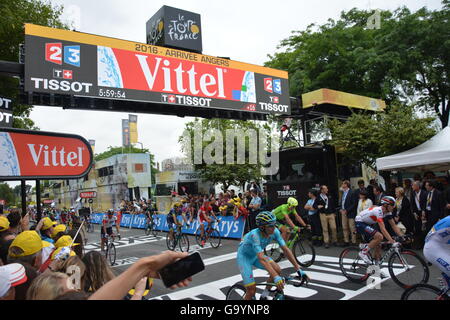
column 387, row 200
column 265, row 218
column 110, row 211
column 292, row 202
column 177, row 204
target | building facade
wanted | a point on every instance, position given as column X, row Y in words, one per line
column 119, row 177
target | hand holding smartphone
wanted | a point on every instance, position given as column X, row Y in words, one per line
column 181, row 269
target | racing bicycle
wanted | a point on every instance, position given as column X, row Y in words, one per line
column 110, row 252
column 423, row 291
column 211, row 233
column 303, row 251
column 238, row 290
column 150, row 228
column 405, row 267
column 179, row 238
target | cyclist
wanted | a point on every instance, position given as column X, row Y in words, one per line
column 282, row 213
column 204, row 215
column 149, row 212
column 251, row 253
column 366, row 225
column 437, row 245
column 172, row 218
column 108, row 221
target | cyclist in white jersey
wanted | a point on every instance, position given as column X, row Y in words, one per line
column 108, row 221
column 365, row 223
column 437, row 245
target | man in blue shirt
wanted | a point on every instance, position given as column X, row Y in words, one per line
column 254, row 208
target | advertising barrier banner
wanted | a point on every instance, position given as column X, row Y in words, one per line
column 39, row 155
column 228, row 227
column 80, row 64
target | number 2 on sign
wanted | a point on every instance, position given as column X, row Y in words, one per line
column 53, row 52
column 268, row 85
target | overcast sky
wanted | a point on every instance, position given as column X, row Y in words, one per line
column 245, row 31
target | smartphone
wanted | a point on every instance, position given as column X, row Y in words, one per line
column 181, row 269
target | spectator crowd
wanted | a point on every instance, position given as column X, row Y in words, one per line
column 43, row 262
column 47, row 261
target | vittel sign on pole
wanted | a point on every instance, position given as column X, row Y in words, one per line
column 30, row 155
column 88, row 194
column 85, row 65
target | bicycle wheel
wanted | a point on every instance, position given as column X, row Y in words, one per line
column 274, row 251
column 424, row 292
column 352, row 266
column 183, row 243
column 111, row 253
column 147, row 230
column 408, row 270
column 171, row 244
column 236, row 292
column 154, row 231
column 214, row 239
column 304, row 253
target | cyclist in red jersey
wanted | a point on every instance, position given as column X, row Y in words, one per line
column 204, row 214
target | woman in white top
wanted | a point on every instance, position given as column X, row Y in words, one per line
column 364, row 202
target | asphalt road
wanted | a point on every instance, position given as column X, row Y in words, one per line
column 221, row 271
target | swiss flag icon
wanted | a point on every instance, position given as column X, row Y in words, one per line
column 67, row 74
column 171, row 98
column 276, row 100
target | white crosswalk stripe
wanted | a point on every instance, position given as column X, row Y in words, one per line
column 327, row 275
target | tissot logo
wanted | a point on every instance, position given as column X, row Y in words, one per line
column 287, row 192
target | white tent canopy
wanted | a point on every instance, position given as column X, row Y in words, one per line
column 432, row 155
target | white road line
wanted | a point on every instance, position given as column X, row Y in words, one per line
column 213, row 289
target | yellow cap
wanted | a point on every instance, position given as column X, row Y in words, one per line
column 4, row 223
column 58, row 250
column 59, row 228
column 30, row 243
column 48, row 223
column 65, row 241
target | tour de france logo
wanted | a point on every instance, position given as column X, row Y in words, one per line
column 183, row 29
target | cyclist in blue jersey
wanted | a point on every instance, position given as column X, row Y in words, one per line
column 251, row 253
column 437, row 245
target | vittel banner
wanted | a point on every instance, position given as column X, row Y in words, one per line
column 42, row 155
column 88, row 194
column 73, row 63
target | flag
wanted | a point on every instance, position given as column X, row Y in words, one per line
column 125, row 132
column 132, row 120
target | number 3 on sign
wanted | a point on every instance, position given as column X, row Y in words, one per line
column 72, row 55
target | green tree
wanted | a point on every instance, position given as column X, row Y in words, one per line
column 12, row 33
column 405, row 60
column 365, row 137
column 7, row 194
column 131, row 149
column 214, row 145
